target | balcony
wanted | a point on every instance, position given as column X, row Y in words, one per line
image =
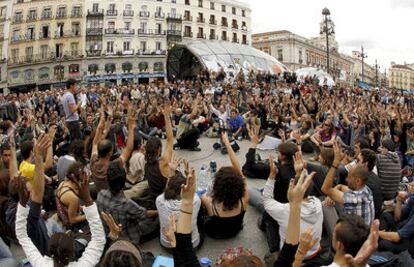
column 244, row 28
column 61, row 15
column 110, row 31
column 144, row 32
column 213, row 22
column 76, row 14
column 112, row 12
column 188, row 34
column 159, row 32
column 65, row 34
column 224, row 24
column 174, row 18
column 188, row 18
column 44, row 37
column 174, row 33
column 128, row 13
column 151, row 52
column 93, row 53
column 46, row 15
column 224, row 38
column 235, row 26
column 129, row 52
column 213, row 37
column 235, row 40
column 201, row 35
column 96, row 12
column 45, row 57
column 23, row 38
column 201, row 20
column 94, row 31
column 32, row 17
column 126, row 31
column 144, row 14
column 159, row 15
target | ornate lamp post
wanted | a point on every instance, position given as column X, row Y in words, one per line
column 328, row 31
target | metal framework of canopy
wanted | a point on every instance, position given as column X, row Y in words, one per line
column 186, row 60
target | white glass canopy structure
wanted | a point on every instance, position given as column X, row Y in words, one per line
column 186, row 60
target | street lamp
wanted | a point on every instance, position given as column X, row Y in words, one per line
column 328, row 31
column 376, row 73
column 363, row 56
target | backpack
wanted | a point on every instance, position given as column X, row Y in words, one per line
column 384, row 259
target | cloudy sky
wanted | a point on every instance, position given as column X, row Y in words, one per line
column 384, row 27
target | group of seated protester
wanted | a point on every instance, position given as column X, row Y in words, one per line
column 86, row 179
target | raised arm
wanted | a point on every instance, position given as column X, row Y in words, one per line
column 327, row 187
column 98, row 134
column 13, row 169
column 169, row 131
column 131, row 126
column 42, row 147
column 234, row 162
column 49, row 155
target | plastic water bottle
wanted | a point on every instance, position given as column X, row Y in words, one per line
column 206, row 262
column 203, row 180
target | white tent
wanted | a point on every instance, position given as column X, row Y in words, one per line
column 323, row 77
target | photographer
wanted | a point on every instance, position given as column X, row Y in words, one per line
column 187, row 132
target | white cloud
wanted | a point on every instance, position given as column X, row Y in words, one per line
column 384, row 27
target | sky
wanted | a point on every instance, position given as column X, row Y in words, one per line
column 384, row 27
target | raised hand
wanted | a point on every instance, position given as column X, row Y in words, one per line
column 296, row 192
column 339, row 154
column 188, row 190
column 225, row 138
column 42, row 145
column 175, row 162
column 299, row 164
column 273, row 168
column 307, row 240
column 84, row 192
column 253, row 136
column 114, row 228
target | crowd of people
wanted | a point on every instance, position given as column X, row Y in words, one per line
column 85, row 178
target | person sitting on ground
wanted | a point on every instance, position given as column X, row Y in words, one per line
column 368, row 158
column 324, row 137
column 157, row 169
column 228, row 203
column 311, row 210
column 135, row 167
column 356, row 198
column 303, row 135
column 75, row 154
column 187, row 132
column 102, row 149
column 61, row 245
column 236, row 126
column 397, row 229
column 389, row 169
column 137, row 222
column 169, row 203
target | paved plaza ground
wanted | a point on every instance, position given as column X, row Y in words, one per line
column 250, row 237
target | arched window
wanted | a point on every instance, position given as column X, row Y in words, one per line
column 14, row 75
column 74, row 68
column 43, row 73
column 59, row 72
column 127, row 67
column 143, row 67
column 93, row 68
column 29, row 74
column 110, row 68
column 158, row 66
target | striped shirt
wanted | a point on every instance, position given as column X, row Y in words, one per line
column 389, row 173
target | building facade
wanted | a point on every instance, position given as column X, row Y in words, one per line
column 128, row 40
column 5, row 18
column 401, row 76
column 298, row 52
column 45, row 42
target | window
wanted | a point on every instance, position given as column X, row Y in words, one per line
column 29, row 53
column 143, row 26
column 243, row 13
column 143, row 66
column 128, row 6
column 18, row 17
column 187, row 2
column 16, row 35
column 213, row 34
column 224, row 36
column 61, row 12
column 235, row 40
column 44, row 50
column 233, row 10
column 213, row 20
column 76, row 28
column 3, row 11
column 223, row 8
column 110, row 47
column 59, row 30
column 111, row 24
column 200, row 3
column 158, row 28
column 47, row 13
column 76, row 11
column 32, row 15
column 74, row 49
column 95, row 7
column 127, row 25
column 127, row 46
column 59, row 50
column 15, row 54
column 158, row 66
column 212, row 6
column 158, row 46
column 30, row 33
column 174, row 1
column 187, row 15
column 74, row 68
column 280, row 55
column 187, row 31
column 143, row 46
column 111, row 8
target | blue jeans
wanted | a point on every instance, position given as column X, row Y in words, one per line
column 256, row 199
column 6, row 257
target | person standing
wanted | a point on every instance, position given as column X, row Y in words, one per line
column 71, row 108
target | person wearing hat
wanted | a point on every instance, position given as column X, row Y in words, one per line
column 389, row 169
